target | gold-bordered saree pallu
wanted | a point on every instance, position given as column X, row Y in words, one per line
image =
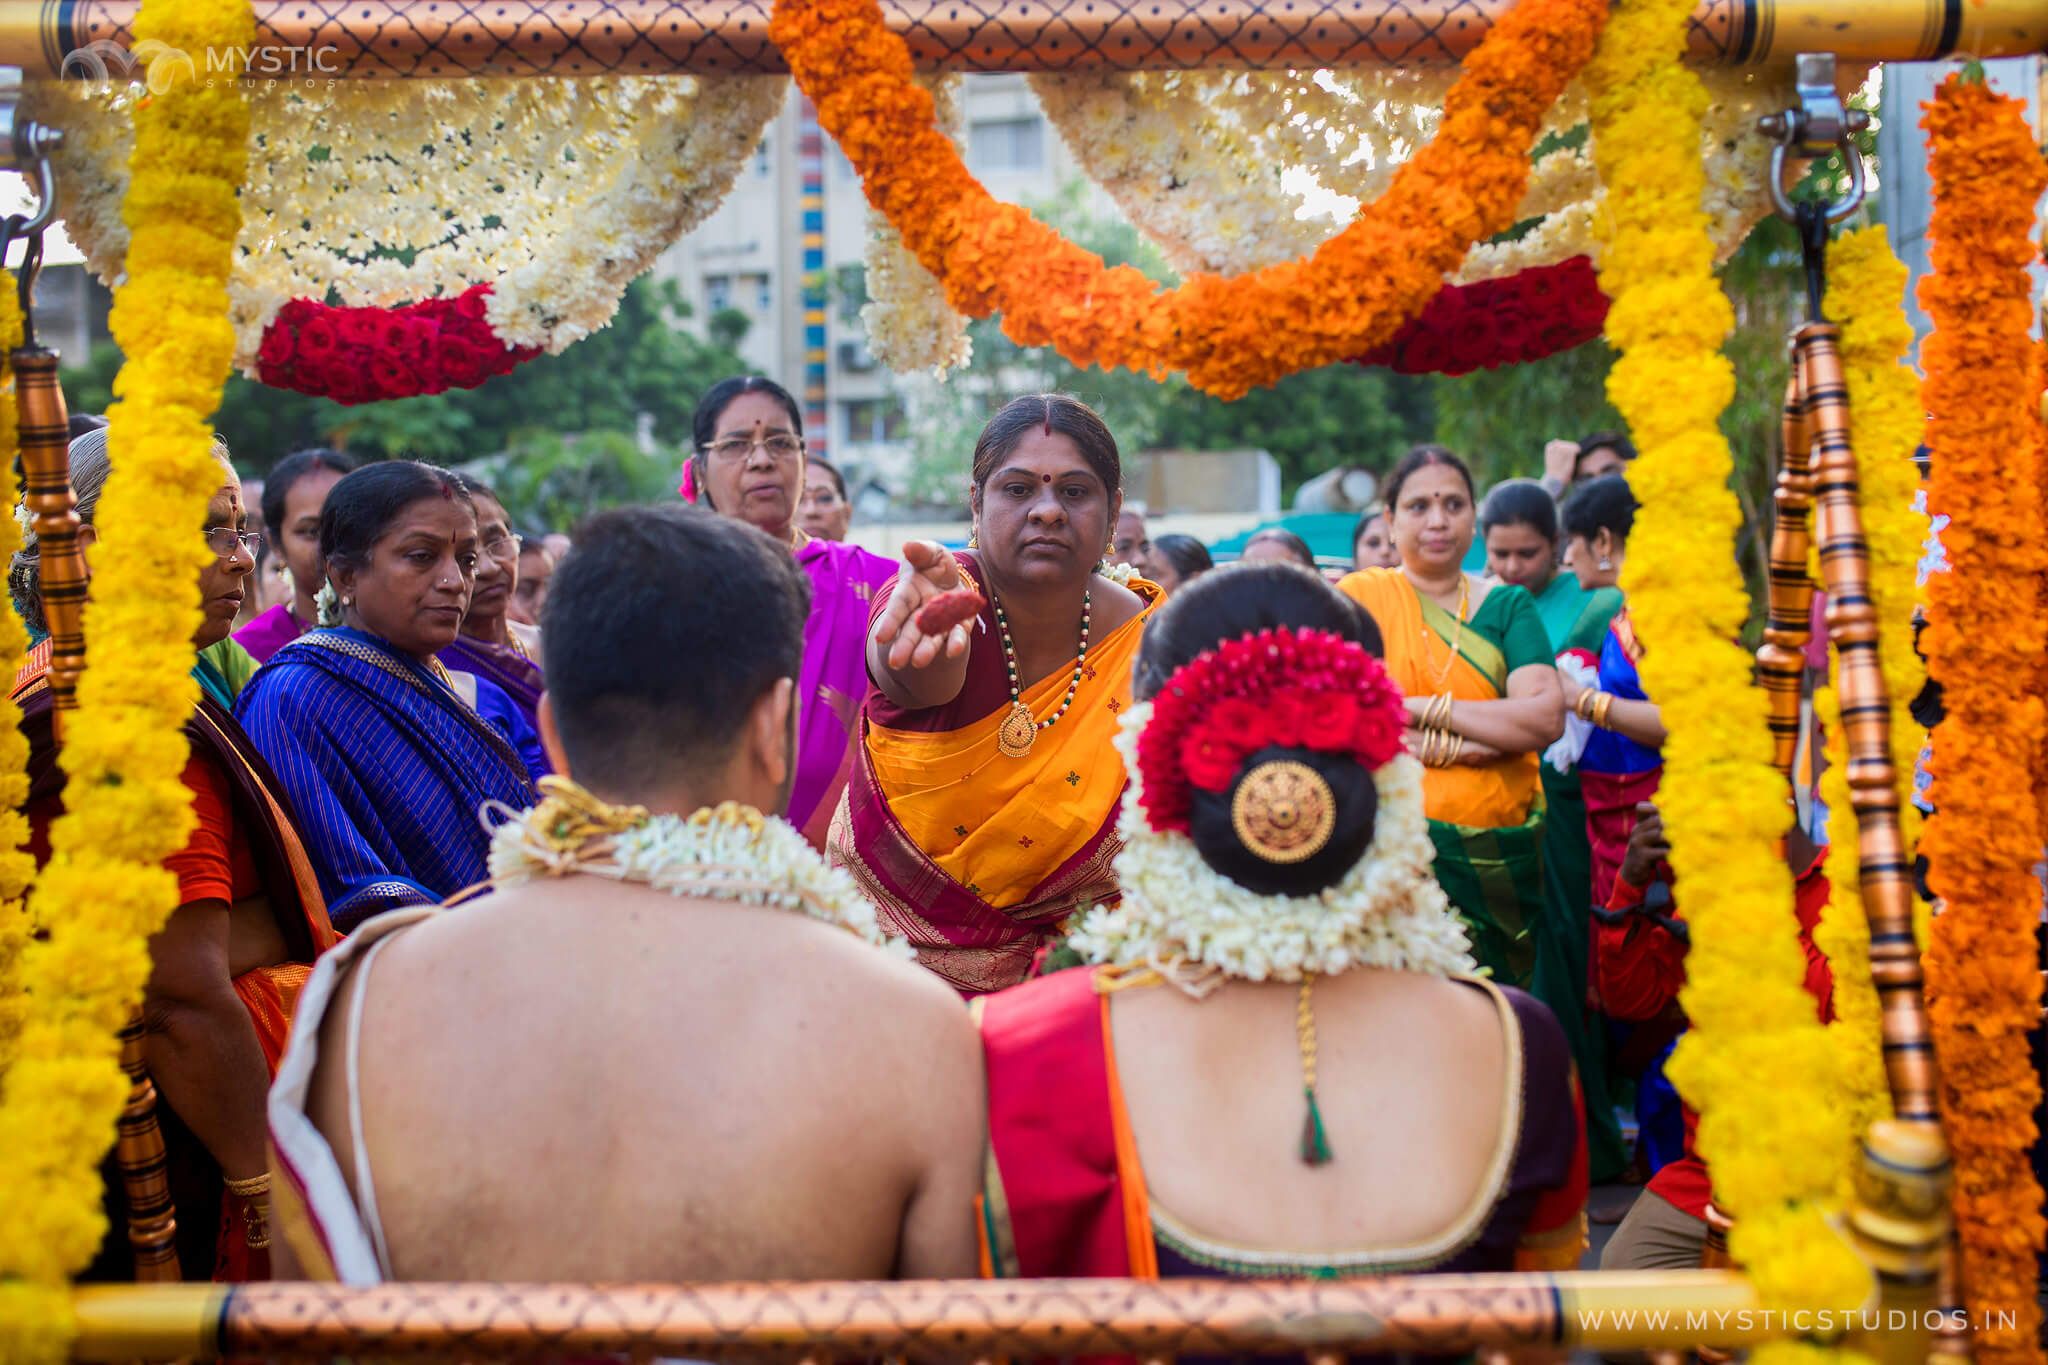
column 978, row 858
column 1486, row 822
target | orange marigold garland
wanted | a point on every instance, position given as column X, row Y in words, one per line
column 1229, row 335
column 1985, row 631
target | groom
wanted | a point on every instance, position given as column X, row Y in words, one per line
column 585, row 1079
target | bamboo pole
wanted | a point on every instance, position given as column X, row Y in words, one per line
column 964, row 1320
column 298, row 41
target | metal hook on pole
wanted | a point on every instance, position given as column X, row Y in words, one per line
column 1817, row 124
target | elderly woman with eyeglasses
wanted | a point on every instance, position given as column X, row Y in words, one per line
column 226, row 968
column 749, row 464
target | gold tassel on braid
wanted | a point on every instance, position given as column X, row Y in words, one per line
column 1315, row 1143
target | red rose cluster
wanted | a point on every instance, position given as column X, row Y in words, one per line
column 363, row 355
column 1299, row 688
column 1524, row 316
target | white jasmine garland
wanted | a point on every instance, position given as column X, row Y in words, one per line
column 558, row 192
column 910, row 325
column 729, row 853
column 1119, row 574
column 1221, row 168
column 1193, row 924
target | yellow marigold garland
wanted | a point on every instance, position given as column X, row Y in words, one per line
column 105, row 891
column 1843, row 936
column 1985, row 634
column 1755, row 1037
column 1866, row 285
column 17, row 869
column 1229, row 335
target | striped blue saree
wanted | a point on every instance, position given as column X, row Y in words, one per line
column 385, row 767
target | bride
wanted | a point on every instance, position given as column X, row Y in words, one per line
column 1279, row 1062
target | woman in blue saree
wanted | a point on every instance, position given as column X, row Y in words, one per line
column 385, row 761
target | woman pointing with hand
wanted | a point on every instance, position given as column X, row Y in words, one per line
column 982, row 809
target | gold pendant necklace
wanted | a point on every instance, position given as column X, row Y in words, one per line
column 1457, row 636
column 1019, row 730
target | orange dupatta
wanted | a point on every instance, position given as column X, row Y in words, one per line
column 999, row 826
column 1418, row 638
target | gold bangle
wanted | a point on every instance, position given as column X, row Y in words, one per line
column 1442, row 706
column 253, row 1188
column 1601, row 708
column 1431, row 738
column 1457, row 748
column 1583, row 706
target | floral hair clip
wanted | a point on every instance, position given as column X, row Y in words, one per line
column 1296, row 688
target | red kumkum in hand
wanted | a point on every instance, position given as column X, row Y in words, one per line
column 949, row 609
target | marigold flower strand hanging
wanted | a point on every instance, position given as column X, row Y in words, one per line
column 1755, row 1038
column 1985, row 631
column 1227, row 335
column 105, row 891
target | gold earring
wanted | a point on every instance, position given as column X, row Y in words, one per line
column 973, row 538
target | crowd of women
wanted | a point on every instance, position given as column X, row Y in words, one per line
column 1454, row 770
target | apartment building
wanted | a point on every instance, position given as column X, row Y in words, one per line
column 785, row 250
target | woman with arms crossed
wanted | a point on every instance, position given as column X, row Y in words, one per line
column 1476, row 667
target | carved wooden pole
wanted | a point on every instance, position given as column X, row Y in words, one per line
column 145, row 1171
column 1781, row 660
column 46, row 481
column 1885, row 873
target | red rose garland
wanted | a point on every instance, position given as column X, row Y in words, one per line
column 364, row 355
column 1300, row 689
column 1521, row 317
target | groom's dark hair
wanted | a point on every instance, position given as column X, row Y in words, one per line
column 663, row 627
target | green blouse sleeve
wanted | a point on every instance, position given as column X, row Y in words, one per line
column 1510, row 617
column 1590, row 630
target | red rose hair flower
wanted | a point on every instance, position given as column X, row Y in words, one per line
column 1298, row 688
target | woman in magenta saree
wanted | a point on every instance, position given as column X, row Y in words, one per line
column 749, row 465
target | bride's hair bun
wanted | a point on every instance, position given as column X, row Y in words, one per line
column 1257, row 832
column 1282, row 800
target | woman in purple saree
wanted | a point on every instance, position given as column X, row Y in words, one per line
column 748, row 464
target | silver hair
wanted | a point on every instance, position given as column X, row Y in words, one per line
column 90, row 464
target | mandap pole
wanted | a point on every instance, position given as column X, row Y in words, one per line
column 324, row 39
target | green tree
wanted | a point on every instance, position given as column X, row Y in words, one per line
column 1309, row 422
column 549, row 480
column 643, row 364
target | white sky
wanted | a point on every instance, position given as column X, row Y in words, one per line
column 16, row 198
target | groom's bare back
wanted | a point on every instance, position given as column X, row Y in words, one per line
column 581, row 1080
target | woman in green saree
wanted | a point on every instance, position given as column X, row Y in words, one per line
column 1520, row 525
column 1475, row 664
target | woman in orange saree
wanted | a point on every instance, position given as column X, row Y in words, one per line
column 1483, row 702
column 228, row 965
column 982, row 808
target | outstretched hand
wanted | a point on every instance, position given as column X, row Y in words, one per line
column 928, row 570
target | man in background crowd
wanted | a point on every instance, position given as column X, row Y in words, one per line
column 1567, row 464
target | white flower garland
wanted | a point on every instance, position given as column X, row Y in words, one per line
column 1191, row 923
column 558, row 192
column 910, row 325
column 1195, row 159
column 730, row 853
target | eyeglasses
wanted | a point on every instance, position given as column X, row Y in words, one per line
column 498, row 547
column 225, row 540
column 780, row 445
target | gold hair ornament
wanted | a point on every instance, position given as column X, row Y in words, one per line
column 1284, row 811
